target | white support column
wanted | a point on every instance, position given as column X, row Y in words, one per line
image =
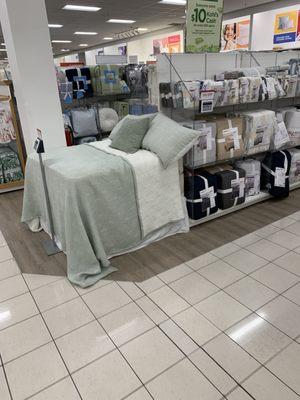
column 26, row 34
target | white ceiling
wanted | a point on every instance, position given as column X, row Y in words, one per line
column 147, row 14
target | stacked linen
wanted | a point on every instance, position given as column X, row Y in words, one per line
column 230, row 186
column 292, row 122
column 204, row 152
column 254, row 88
column 191, row 94
column 244, row 89
column 260, row 127
column 201, row 195
column 295, row 166
column 10, row 166
column 166, row 95
column 290, row 83
column 110, row 79
column 275, row 173
column 263, row 91
column 272, row 93
column 252, row 169
column 229, row 137
column 217, row 87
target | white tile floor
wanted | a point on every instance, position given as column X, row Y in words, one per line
column 225, row 325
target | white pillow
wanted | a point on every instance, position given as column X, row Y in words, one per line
column 108, row 119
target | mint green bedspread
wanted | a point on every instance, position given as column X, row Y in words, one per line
column 94, row 206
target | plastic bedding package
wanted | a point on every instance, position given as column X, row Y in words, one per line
column 290, row 84
column 295, row 166
column 252, row 169
column 201, row 195
column 229, row 138
column 204, row 152
column 259, row 128
column 230, row 186
column 191, row 94
column 275, row 173
column 292, row 122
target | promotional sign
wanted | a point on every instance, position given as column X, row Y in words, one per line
column 171, row 44
column 235, row 34
column 286, row 29
column 203, row 25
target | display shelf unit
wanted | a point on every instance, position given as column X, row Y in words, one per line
column 250, row 201
column 95, row 99
column 6, row 90
column 189, row 67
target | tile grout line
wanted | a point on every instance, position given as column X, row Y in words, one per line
column 67, row 369
column 199, row 346
column 117, row 348
column 5, row 376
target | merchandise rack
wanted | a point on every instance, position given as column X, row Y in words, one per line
column 250, row 201
column 7, row 87
column 202, row 66
column 86, row 101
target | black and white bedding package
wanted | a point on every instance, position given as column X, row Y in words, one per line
column 107, row 202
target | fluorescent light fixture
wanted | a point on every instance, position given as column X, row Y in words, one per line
column 3, row 44
column 85, row 33
column 83, row 45
column 121, row 21
column 108, row 38
column 65, row 50
column 55, row 26
column 61, row 41
column 142, row 29
column 2, row 49
column 174, row 2
column 74, row 7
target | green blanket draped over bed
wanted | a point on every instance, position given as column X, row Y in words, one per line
column 94, row 205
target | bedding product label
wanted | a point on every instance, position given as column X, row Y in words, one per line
column 232, row 141
column 260, row 134
column 238, row 188
column 208, row 198
column 205, row 140
column 279, row 177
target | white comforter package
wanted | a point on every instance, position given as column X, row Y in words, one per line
column 191, row 94
column 290, row 83
column 204, row 151
column 158, row 189
column 292, row 122
column 295, row 166
column 253, row 173
column 260, row 126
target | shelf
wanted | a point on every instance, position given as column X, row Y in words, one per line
column 96, row 99
column 250, row 201
column 10, row 186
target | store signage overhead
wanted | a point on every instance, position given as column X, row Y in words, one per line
column 203, row 26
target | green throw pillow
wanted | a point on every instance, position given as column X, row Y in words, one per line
column 129, row 137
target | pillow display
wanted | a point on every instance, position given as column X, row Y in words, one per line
column 118, row 127
column 169, row 140
column 108, row 119
column 84, row 122
column 129, row 137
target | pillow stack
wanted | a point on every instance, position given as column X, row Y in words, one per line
column 156, row 133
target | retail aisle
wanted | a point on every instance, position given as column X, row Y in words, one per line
column 225, row 324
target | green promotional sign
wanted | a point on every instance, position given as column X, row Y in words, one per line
column 203, row 26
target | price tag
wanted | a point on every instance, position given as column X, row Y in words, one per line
column 209, row 196
column 280, row 177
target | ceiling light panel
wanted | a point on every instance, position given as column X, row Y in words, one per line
column 55, row 26
column 61, row 41
column 74, row 7
column 85, row 33
column 83, row 45
column 108, row 38
column 121, row 21
column 173, row 2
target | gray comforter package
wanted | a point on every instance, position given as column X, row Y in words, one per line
column 204, row 152
column 101, row 204
column 252, row 169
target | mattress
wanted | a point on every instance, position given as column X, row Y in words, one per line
column 230, row 186
column 259, row 129
column 252, row 169
column 295, row 166
column 201, row 195
column 204, row 152
column 229, row 137
column 275, row 173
